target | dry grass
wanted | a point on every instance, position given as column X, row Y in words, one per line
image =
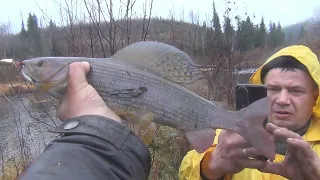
column 13, row 169
column 12, row 172
column 167, row 151
column 13, row 88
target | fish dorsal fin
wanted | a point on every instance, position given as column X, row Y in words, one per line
column 161, row 59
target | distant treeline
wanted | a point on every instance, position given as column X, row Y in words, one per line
column 102, row 39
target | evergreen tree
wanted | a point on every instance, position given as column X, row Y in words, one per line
column 272, row 36
column 246, row 35
column 23, row 33
column 280, row 36
column 276, row 37
column 262, row 34
column 204, row 37
column 256, row 37
column 228, row 36
column 238, row 33
column 34, row 35
column 249, row 32
column 217, row 37
column 23, row 37
column 54, row 50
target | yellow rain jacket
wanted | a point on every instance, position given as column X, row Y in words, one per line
column 190, row 166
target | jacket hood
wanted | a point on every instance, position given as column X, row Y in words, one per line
column 304, row 55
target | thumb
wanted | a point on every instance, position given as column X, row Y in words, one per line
column 78, row 72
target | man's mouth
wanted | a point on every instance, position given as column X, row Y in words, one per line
column 281, row 114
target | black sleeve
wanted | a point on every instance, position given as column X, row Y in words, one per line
column 90, row 148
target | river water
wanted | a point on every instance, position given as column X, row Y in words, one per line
column 24, row 121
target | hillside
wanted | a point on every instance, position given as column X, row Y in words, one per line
column 83, row 39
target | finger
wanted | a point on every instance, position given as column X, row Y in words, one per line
column 232, row 140
column 299, row 144
column 251, row 152
column 238, row 153
column 271, row 127
column 272, row 167
column 244, row 153
column 282, row 170
column 300, row 148
column 289, row 158
column 251, row 163
column 78, row 72
column 281, row 133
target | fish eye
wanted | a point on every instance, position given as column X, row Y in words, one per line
column 40, row 63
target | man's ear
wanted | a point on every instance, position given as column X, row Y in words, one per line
column 315, row 96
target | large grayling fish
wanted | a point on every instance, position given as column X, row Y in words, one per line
column 145, row 79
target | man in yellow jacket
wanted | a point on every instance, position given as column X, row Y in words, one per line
column 292, row 76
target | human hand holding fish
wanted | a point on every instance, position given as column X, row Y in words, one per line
column 81, row 98
column 300, row 162
column 231, row 155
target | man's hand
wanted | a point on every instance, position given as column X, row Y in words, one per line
column 81, row 98
column 231, row 156
column 301, row 162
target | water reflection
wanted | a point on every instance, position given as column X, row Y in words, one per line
column 24, row 121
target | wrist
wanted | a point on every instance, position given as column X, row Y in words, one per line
column 104, row 112
column 112, row 115
column 209, row 169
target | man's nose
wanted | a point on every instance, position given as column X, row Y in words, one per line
column 283, row 97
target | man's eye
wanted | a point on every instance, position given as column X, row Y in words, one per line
column 273, row 89
column 296, row 91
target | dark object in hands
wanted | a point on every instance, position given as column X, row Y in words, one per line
column 247, row 94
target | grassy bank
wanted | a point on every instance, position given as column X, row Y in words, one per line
column 14, row 88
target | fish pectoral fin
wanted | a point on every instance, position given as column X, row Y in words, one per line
column 142, row 126
column 146, row 120
column 128, row 93
column 201, row 139
column 148, row 133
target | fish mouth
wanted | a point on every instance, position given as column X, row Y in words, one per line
column 28, row 78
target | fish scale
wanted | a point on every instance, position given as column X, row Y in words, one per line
column 144, row 83
column 153, row 101
column 177, row 112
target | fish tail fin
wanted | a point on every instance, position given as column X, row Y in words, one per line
column 251, row 122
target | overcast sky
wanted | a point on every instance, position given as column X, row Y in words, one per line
column 285, row 11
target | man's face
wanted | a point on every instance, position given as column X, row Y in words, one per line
column 293, row 97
